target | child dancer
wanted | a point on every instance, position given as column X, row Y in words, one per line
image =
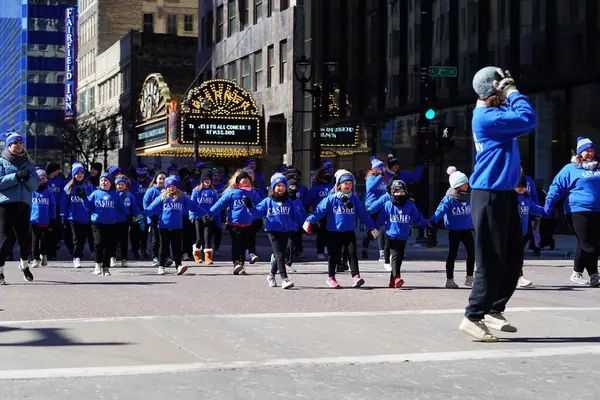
column 237, row 198
column 205, row 195
column 455, row 208
column 170, row 206
column 156, row 187
column 257, row 224
column 526, row 207
column 321, row 186
column 139, row 231
column 124, row 219
column 398, row 214
column 283, row 218
column 43, row 213
column 219, row 187
column 341, row 209
column 292, row 249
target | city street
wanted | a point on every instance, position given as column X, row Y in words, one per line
column 212, row 335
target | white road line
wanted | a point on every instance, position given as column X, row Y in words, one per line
column 298, row 362
column 293, row 315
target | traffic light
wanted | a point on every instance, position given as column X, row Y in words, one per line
column 427, row 145
column 445, row 141
column 429, row 99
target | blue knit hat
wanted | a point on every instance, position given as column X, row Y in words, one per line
column 121, row 179
column 278, row 178
column 283, row 168
column 376, row 164
column 114, row 170
column 346, row 178
column 483, row 82
column 327, row 164
column 77, row 167
column 584, row 144
column 141, row 171
column 172, row 180
column 107, row 176
column 12, row 137
column 249, row 160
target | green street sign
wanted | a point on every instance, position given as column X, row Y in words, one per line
column 444, row 72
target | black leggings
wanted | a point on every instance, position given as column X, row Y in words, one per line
column 336, row 243
column 155, row 236
column 239, row 242
column 397, row 248
column 105, row 243
column 14, row 223
column 322, row 236
column 251, row 240
column 454, row 240
column 585, row 225
column 138, row 237
column 170, row 241
column 41, row 241
column 279, row 241
column 80, row 235
column 205, row 232
column 368, row 238
column 121, row 231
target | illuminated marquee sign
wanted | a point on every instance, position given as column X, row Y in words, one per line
column 221, row 112
column 70, row 59
column 340, row 136
column 155, row 111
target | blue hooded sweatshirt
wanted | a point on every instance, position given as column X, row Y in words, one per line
column 316, row 194
column 457, row 215
column 495, row 134
column 205, row 197
column 526, row 207
column 151, row 194
column 72, row 207
column 532, row 190
column 407, row 177
column 171, row 210
column 398, row 220
column 220, row 188
column 379, row 203
column 138, row 190
column 281, row 216
column 237, row 212
column 579, row 185
column 376, row 187
column 13, row 191
column 57, row 184
column 130, row 208
column 104, row 206
column 340, row 218
column 43, row 207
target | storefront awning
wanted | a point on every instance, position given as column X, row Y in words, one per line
column 186, row 150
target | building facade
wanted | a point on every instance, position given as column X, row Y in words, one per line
column 32, row 48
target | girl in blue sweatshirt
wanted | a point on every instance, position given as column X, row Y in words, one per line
column 105, row 204
column 73, row 210
column 398, row 215
column 139, row 230
column 340, row 209
column 377, row 182
column 282, row 218
column 124, row 219
column 455, row 208
column 171, row 206
column 43, row 213
column 257, row 224
column 206, row 196
column 237, row 198
column 56, row 183
column 157, row 185
column 295, row 237
column 321, row 186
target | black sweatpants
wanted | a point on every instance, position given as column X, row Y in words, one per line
column 454, row 240
column 397, row 248
column 171, row 241
column 279, row 241
column 296, row 237
column 218, row 237
column 336, row 243
column 79, row 233
column 105, row 243
column 368, row 238
column 239, row 242
column 14, row 223
column 122, row 233
column 498, row 251
column 251, row 241
column 138, row 237
column 54, row 239
column 41, row 241
column 322, row 237
column 155, row 236
column 585, row 225
column 205, row 232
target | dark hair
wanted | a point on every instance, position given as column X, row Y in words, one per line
column 494, row 101
column 153, row 182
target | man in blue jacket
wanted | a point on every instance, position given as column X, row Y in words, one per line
column 501, row 116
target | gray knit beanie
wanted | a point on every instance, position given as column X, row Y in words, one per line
column 483, row 82
column 41, row 173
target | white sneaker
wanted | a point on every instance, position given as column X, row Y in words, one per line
column 578, row 278
column 123, row 263
column 181, row 269
column 477, row 329
column 450, row 284
column 253, row 258
column 381, row 255
column 290, row 268
column 498, row 322
column 469, row 281
column 320, row 257
column 97, row 269
column 594, row 280
column 77, row 262
column 287, row 284
column 185, row 257
column 35, row 264
column 113, row 262
column 161, row 270
column 155, row 262
column 44, row 260
column 387, row 267
column 523, row 283
column 271, row 280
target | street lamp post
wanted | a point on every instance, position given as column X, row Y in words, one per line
column 303, row 73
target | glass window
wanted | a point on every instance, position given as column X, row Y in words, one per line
column 258, row 71
column 148, row 22
column 271, row 64
column 270, row 7
column 245, row 14
column 246, row 78
column 46, row 24
column 232, row 71
column 283, row 63
column 172, row 24
column 60, row 77
column 220, row 23
column 188, row 23
column 231, row 15
column 284, row 4
column 32, row 77
column 258, row 11
column 43, row 77
column 92, row 98
column 49, row 51
column 209, row 29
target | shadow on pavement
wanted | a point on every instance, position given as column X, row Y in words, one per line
column 96, row 283
column 583, row 339
column 52, row 337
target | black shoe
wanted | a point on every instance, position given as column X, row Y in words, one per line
column 365, row 255
column 2, row 281
column 27, row 275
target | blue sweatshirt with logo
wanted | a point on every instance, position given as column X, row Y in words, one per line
column 407, row 177
column 341, row 218
column 138, row 190
column 205, row 197
column 398, row 220
column 72, row 207
column 171, row 210
column 57, row 185
column 220, row 188
column 237, row 212
column 532, row 190
column 495, row 134
column 43, row 207
column 129, row 209
column 316, row 194
column 580, row 186
column 151, row 194
column 376, row 187
column 379, row 203
column 526, row 207
column 280, row 216
column 456, row 214
column 105, row 206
